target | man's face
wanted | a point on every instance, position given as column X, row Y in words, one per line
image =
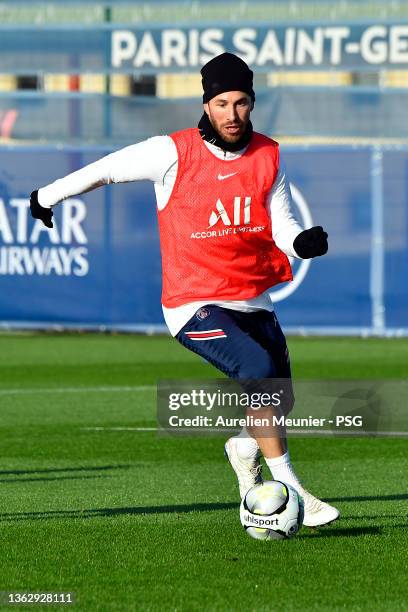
column 229, row 114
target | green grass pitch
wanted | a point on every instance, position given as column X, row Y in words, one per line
column 130, row 521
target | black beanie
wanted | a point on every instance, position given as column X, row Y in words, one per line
column 226, row 72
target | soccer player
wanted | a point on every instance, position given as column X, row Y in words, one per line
column 226, row 229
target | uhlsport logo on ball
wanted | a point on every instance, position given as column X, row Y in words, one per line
column 272, row 510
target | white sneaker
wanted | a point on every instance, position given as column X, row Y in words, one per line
column 248, row 471
column 317, row 512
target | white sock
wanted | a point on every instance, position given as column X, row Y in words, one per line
column 247, row 446
column 282, row 469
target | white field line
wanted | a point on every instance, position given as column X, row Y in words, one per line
column 34, row 390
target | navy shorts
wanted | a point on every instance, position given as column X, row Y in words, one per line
column 242, row 345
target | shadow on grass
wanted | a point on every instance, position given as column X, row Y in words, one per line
column 98, row 512
column 377, row 517
column 55, row 478
column 393, row 497
column 328, row 532
column 65, row 469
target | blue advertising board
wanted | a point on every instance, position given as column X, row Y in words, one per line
column 100, row 265
column 152, row 48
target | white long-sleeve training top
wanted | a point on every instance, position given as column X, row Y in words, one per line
column 156, row 160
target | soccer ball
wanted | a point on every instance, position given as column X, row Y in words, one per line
column 272, row 511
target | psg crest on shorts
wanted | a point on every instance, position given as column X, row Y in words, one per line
column 202, row 313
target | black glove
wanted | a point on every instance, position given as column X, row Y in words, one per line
column 39, row 212
column 311, row 242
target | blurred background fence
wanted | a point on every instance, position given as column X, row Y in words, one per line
column 78, row 80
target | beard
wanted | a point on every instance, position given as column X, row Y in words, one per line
column 233, row 134
column 235, row 142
